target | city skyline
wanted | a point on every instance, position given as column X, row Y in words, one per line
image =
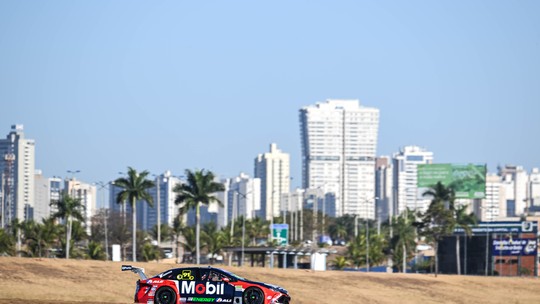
column 89, row 81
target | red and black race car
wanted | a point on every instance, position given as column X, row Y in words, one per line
column 203, row 285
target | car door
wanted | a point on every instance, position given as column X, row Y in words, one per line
column 208, row 286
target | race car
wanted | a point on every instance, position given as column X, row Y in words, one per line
column 203, row 285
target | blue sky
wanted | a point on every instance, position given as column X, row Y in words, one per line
column 157, row 85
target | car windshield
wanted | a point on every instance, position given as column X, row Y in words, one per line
column 233, row 275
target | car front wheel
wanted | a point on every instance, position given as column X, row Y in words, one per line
column 253, row 295
column 165, row 295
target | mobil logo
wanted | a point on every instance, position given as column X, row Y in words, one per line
column 210, row 288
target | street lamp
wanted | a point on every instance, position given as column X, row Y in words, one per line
column 105, row 219
column 243, row 224
column 158, row 195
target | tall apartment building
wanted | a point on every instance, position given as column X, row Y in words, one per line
column 514, row 180
column 339, row 143
column 533, row 189
column 17, row 165
column 494, row 204
column 273, row 168
column 147, row 215
column 384, row 188
column 46, row 191
column 242, row 197
column 87, row 193
column 405, row 164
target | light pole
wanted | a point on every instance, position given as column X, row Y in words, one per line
column 486, row 209
column 158, row 206
column 243, row 224
column 105, row 219
column 367, row 231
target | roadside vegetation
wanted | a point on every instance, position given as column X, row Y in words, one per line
column 370, row 244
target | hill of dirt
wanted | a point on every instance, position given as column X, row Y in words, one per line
column 44, row 281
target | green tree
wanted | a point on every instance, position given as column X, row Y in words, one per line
column 340, row 262
column 177, row 230
column 166, row 233
column 7, row 243
column 464, row 221
column 438, row 221
column 404, row 236
column 95, row 251
column 135, row 187
column 213, row 240
column 68, row 208
column 149, row 252
column 189, row 242
column 256, row 228
column 197, row 191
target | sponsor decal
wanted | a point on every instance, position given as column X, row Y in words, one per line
column 208, row 288
column 183, row 300
column 203, row 300
column 222, row 300
column 185, row 275
column 127, row 267
column 150, row 302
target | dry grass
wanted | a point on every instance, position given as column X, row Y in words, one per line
column 59, row 281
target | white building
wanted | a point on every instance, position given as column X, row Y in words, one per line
column 17, row 165
column 87, row 194
column 242, row 197
column 533, row 189
column 514, row 180
column 405, row 175
column 46, row 191
column 494, row 204
column 339, row 142
column 273, row 168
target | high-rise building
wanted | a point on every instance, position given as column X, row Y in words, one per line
column 147, row 215
column 273, row 168
column 533, row 190
column 17, row 165
column 242, row 197
column 384, row 188
column 46, row 191
column 339, row 143
column 514, row 180
column 87, row 193
column 406, row 178
column 494, row 204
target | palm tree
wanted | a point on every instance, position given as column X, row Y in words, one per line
column 438, row 221
column 198, row 190
column 7, row 243
column 69, row 208
column 340, row 262
column 135, row 187
column 177, row 230
column 213, row 239
column 404, row 235
column 463, row 221
column 95, row 251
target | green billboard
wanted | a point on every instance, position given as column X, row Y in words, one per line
column 467, row 180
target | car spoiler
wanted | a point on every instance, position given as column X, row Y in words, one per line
column 137, row 270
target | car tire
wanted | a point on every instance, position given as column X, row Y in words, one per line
column 253, row 295
column 165, row 295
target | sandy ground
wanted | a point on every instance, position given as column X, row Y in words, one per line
column 44, row 281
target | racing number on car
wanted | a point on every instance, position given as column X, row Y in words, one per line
column 185, row 275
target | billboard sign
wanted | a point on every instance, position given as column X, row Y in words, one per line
column 467, row 180
column 280, row 233
column 514, row 247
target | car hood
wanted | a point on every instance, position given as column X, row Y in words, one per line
column 270, row 286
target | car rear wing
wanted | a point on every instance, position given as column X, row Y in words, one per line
column 137, row 270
